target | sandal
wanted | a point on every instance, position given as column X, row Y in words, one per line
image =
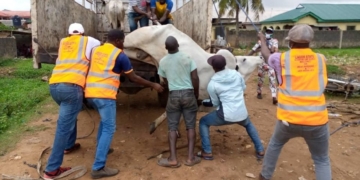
column 164, row 162
column 259, row 156
column 200, row 154
column 72, row 149
column 196, row 160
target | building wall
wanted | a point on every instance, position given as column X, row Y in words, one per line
column 312, row 21
column 322, row 39
column 8, row 47
column 51, row 20
column 194, row 19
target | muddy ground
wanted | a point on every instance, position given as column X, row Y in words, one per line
column 233, row 155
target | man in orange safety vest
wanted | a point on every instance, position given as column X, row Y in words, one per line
column 108, row 61
column 301, row 110
column 67, row 83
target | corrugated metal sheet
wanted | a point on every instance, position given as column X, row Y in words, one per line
column 321, row 12
column 9, row 14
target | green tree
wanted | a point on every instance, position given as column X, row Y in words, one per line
column 232, row 7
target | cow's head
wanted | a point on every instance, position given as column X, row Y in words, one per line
column 247, row 64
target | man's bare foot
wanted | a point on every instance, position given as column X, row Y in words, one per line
column 193, row 161
column 166, row 162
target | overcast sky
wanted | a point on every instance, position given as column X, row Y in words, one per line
column 272, row 7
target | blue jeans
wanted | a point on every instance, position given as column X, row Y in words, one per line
column 107, row 127
column 69, row 97
column 144, row 21
column 212, row 119
column 317, row 139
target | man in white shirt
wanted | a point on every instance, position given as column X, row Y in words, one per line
column 226, row 89
column 264, row 68
column 138, row 9
column 67, row 84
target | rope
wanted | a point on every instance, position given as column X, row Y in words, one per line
column 82, row 171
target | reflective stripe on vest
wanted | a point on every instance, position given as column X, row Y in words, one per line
column 305, row 107
column 106, row 74
column 101, row 81
column 71, row 66
column 288, row 91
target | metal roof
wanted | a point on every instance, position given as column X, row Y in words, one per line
column 323, row 13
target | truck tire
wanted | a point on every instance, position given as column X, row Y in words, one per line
column 163, row 97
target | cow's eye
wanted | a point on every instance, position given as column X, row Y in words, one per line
column 244, row 59
column 261, row 57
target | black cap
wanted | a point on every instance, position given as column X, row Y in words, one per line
column 217, row 61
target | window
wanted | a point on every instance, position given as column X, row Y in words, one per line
column 350, row 28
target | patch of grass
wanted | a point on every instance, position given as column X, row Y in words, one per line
column 340, row 97
column 21, row 90
column 16, row 131
column 334, row 70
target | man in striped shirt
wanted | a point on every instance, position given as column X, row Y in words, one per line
column 138, row 10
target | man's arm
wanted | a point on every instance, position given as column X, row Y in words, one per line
column 153, row 7
column 195, row 82
column 148, row 9
column 137, row 79
column 123, row 64
column 92, row 42
column 134, row 5
column 275, row 46
column 169, row 5
column 265, row 52
column 213, row 96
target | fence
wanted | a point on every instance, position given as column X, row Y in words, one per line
column 8, row 47
column 322, row 39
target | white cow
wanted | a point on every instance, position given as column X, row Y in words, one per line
column 151, row 41
column 115, row 13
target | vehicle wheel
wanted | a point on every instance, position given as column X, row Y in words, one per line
column 163, row 97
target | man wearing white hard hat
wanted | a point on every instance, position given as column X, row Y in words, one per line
column 66, row 88
column 264, row 68
column 301, row 110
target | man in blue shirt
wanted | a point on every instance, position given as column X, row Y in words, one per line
column 160, row 11
column 138, row 9
column 226, row 89
column 180, row 73
column 101, row 89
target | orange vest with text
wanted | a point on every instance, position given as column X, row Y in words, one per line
column 300, row 97
column 71, row 64
column 101, row 81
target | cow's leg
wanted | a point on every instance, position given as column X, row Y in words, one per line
column 157, row 122
column 118, row 24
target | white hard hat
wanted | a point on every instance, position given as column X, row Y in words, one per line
column 76, row 27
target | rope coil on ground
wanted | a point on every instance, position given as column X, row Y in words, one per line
column 82, row 169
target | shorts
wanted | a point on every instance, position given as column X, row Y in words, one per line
column 181, row 102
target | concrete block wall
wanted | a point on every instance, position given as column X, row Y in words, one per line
column 322, row 39
column 8, row 47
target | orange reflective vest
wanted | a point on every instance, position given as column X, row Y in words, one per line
column 71, row 64
column 101, row 81
column 300, row 96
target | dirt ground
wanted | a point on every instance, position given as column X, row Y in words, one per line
column 233, row 150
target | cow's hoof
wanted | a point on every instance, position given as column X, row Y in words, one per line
column 152, row 127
